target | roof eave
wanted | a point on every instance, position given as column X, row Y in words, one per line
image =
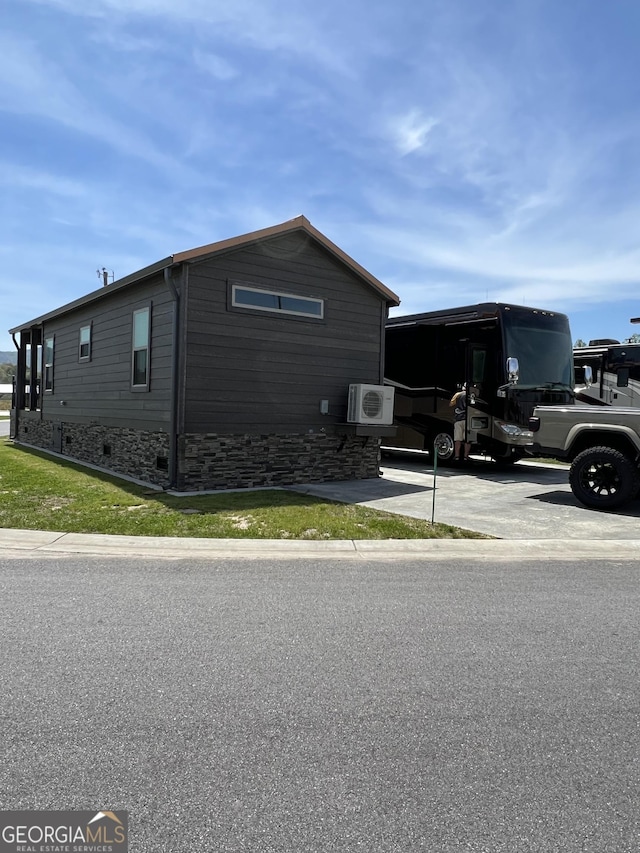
column 193, row 255
column 100, row 293
column 296, row 224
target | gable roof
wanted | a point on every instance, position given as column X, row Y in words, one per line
column 300, row 223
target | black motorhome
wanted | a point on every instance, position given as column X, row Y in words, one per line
column 510, row 358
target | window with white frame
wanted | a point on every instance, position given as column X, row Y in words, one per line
column 140, row 349
column 84, row 350
column 246, row 296
column 48, row 363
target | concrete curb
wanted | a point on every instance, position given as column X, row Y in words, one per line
column 39, row 543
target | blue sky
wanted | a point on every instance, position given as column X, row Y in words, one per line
column 460, row 150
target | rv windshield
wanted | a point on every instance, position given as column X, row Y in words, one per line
column 542, row 344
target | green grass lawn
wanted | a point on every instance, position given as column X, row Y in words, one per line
column 38, row 492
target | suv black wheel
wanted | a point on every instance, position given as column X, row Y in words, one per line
column 603, row 478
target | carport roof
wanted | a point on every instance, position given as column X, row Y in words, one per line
column 300, row 223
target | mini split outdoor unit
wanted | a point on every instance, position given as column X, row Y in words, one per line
column 370, row 404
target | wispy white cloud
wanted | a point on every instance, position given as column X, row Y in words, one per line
column 457, row 152
column 215, row 65
column 285, row 26
column 411, row 131
column 117, row 39
column 14, row 176
column 473, row 269
column 32, row 84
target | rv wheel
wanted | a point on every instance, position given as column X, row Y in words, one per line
column 603, row 478
column 444, row 447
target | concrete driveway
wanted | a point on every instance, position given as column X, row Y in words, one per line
column 529, row 501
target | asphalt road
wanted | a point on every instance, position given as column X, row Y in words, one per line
column 326, row 705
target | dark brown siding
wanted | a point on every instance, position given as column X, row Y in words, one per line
column 259, row 372
column 100, row 389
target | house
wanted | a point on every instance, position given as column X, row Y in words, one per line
column 225, row 366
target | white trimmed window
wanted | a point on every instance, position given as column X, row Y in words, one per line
column 140, row 354
column 48, row 364
column 245, row 296
column 84, row 350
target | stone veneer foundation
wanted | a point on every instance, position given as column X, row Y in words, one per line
column 210, row 461
column 124, row 451
column 214, row 461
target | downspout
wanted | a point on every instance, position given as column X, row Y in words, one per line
column 33, row 370
column 383, row 341
column 175, row 361
column 41, row 397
